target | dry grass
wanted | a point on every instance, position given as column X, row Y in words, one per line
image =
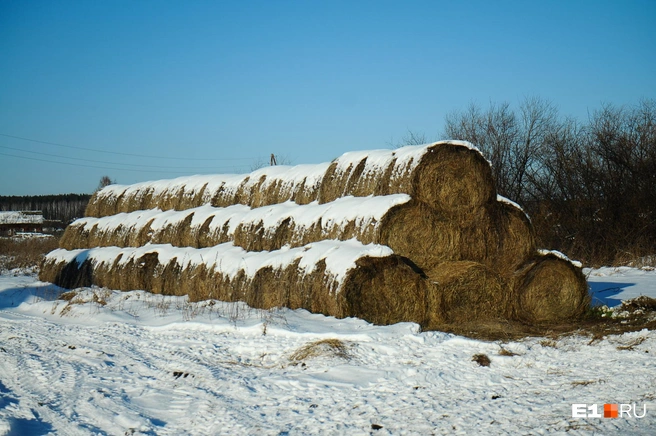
column 584, row 382
column 593, row 325
column 639, row 304
column 550, row 343
column 322, row 348
column 25, row 253
column 631, row 346
column 506, row 352
column 481, row 359
column 98, row 297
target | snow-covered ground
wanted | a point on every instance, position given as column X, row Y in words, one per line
column 107, row 362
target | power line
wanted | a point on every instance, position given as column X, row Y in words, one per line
column 117, row 152
column 92, row 166
column 114, row 163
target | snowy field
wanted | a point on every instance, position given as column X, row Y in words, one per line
column 106, row 362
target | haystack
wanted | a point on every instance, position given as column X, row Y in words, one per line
column 448, row 250
column 335, row 278
column 451, row 176
column 499, row 236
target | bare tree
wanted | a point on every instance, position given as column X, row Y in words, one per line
column 410, row 138
column 589, row 187
column 511, row 141
column 104, row 181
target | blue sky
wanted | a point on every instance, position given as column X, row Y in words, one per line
column 215, row 86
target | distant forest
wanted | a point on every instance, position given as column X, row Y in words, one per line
column 63, row 207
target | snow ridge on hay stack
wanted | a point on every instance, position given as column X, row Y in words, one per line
column 421, row 234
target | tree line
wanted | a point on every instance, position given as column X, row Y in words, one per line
column 589, row 187
column 64, row 207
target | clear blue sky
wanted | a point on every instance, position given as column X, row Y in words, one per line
column 230, row 82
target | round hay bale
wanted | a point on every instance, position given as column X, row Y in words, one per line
column 465, row 291
column 549, row 289
column 339, row 182
column 416, row 231
column 66, row 274
column 515, row 238
column 382, row 290
column 386, row 291
column 75, row 236
column 451, row 177
column 454, row 179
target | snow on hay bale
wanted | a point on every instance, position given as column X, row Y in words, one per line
column 451, row 176
column 500, row 237
column 338, row 278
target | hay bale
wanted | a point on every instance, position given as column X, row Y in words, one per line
column 499, row 235
column 464, row 291
column 335, row 278
column 269, row 185
column 454, row 179
column 515, row 237
column 418, row 232
column 450, row 176
column 387, row 291
column 549, row 288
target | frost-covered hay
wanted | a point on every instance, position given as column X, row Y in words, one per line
column 467, row 291
column 549, row 289
column 337, row 279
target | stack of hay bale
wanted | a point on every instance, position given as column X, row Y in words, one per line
column 414, row 234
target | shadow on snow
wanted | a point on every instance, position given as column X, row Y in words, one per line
column 602, row 293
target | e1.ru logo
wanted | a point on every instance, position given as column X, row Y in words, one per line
column 610, row 411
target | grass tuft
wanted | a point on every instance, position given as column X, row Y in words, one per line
column 324, row 347
column 481, row 359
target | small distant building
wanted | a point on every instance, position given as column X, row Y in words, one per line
column 13, row 222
